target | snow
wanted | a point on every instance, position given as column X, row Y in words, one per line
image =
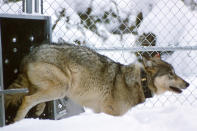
column 170, row 118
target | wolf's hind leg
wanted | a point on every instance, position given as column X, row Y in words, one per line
column 32, row 100
column 51, row 84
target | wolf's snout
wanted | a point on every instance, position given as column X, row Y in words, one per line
column 187, row 84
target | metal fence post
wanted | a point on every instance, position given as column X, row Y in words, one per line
column 36, row 6
column 29, row 6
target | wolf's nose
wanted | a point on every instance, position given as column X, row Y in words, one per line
column 187, row 84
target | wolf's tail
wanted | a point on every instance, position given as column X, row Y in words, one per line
column 16, row 99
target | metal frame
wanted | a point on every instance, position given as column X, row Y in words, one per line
column 35, row 17
column 13, row 91
column 2, row 108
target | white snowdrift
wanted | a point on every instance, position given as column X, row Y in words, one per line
column 170, row 118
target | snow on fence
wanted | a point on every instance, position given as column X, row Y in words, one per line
column 118, row 29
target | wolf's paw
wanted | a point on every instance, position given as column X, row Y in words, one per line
column 40, row 109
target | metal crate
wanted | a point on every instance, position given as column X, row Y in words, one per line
column 19, row 34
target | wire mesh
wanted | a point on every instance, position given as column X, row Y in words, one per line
column 123, row 29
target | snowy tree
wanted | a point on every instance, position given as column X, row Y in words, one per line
column 191, row 3
column 101, row 19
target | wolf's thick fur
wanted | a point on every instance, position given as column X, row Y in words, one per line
column 54, row 71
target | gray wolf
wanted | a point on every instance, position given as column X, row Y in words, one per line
column 53, row 71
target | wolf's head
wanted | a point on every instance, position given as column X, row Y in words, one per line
column 163, row 76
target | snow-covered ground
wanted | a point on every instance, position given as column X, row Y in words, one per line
column 170, row 118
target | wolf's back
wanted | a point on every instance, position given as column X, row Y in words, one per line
column 62, row 55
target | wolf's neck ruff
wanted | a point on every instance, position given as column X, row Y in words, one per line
column 144, row 83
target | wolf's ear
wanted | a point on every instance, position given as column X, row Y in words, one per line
column 157, row 56
column 150, row 62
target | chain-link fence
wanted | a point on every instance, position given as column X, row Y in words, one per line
column 120, row 28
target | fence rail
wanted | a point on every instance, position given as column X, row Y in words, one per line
column 135, row 49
